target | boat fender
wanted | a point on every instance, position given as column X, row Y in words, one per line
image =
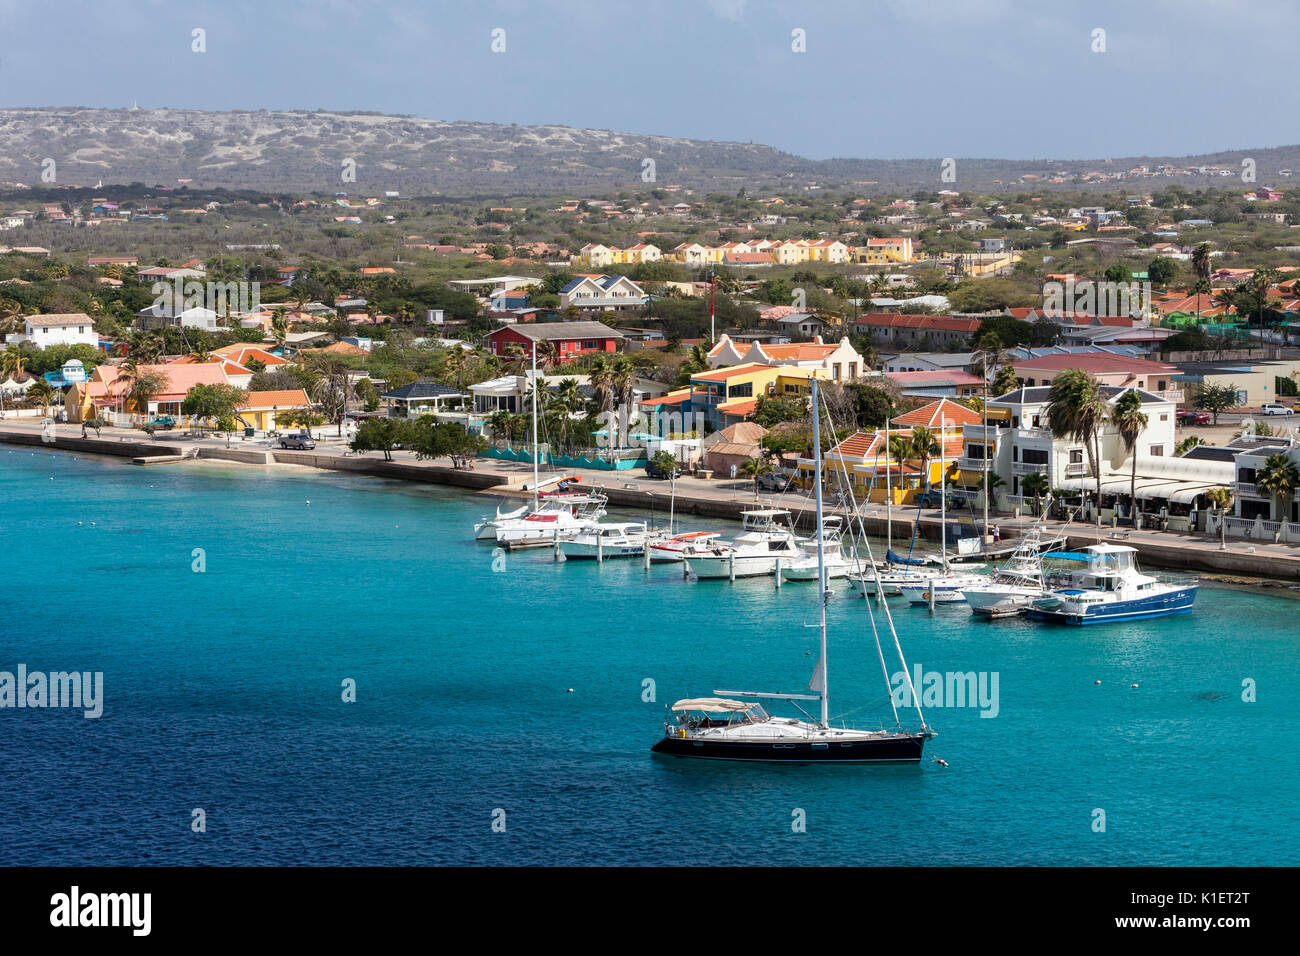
column 941, row 762
column 1132, row 685
column 1096, row 682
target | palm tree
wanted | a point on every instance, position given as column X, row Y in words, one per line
column 500, row 422
column 1222, row 497
column 1201, row 260
column 622, row 374
column 279, row 326
column 13, row 362
column 41, row 393
column 330, row 385
column 1037, row 485
column 922, row 446
column 1130, row 422
column 1077, row 410
column 1005, row 380
column 755, row 468
column 600, row 376
column 1281, row 478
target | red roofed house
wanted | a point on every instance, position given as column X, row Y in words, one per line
column 1108, row 369
column 897, row 330
column 567, row 339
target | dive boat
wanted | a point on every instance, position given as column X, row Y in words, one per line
column 620, row 539
column 1110, row 588
column 765, row 540
column 731, row 727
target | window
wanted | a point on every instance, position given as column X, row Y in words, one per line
column 853, row 370
column 1164, row 416
column 835, row 370
column 1076, row 456
column 741, row 391
column 1157, row 451
column 1034, row 456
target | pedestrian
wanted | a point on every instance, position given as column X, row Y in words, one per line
column 83, row 430
column 997, row 534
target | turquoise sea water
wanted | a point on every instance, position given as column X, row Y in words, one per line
column 223, row 692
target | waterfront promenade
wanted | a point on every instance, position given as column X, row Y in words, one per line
column 717, row 498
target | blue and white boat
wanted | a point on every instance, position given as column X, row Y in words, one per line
column 1110, row 588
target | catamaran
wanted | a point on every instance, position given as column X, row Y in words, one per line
column 764, row 542
column 1110, row 588
column 734, row 726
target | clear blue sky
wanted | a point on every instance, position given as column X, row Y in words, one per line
column 903, row 78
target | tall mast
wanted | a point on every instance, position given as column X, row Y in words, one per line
column 889, row 497
column 821, row 557
column 943, row 493
column 536, row 477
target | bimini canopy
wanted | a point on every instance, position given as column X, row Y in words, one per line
column 712, row 705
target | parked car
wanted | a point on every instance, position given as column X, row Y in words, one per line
column 655, row 470
column 165, row 422
column 1274, row 408
column 1190, row 417
column 932, row 499
column 298, row 442
column 775, row 481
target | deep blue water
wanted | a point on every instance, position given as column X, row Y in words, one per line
column 223, row 691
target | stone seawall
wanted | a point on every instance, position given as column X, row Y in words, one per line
column 90, row 446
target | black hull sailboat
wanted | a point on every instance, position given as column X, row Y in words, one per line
column 884, row 748
column 734, row 726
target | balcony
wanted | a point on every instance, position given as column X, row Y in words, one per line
column 1174, row 395
column 1076, row 469
column 1246, row 488
column 980, row 433
column 1028, row 467
column 973, row 464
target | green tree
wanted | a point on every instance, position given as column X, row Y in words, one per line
column 1163, row 270
column 1280, row 478
column 1222, row 499
column 1077, row 410
column 755, row 468
column 1036, row 485
column 217, row 403
column 1216, row 398
column 1130, row 421
column 1005, row 381
column 381, row 434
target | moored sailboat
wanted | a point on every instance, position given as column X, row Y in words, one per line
column 750, row 733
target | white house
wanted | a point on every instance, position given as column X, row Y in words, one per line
column 68, row 328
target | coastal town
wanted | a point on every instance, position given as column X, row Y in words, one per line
column 697, row 356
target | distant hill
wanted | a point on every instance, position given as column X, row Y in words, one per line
column 306, row 151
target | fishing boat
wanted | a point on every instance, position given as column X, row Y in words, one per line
column 1111, row 588
column 1019, row 582
column 678, row 547
column 764, row 542
column 734, row 725
column 838, row 564
column 619, row 539
column 553, row 521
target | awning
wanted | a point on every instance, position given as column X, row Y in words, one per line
column 712, row 705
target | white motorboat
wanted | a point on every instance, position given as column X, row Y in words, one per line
column 1018, row 583
column 487, row 529
column 619, row 539
column 549, row 524
column 946, row 589
column 764, row 542
column 837, row 564
column 677, row 547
